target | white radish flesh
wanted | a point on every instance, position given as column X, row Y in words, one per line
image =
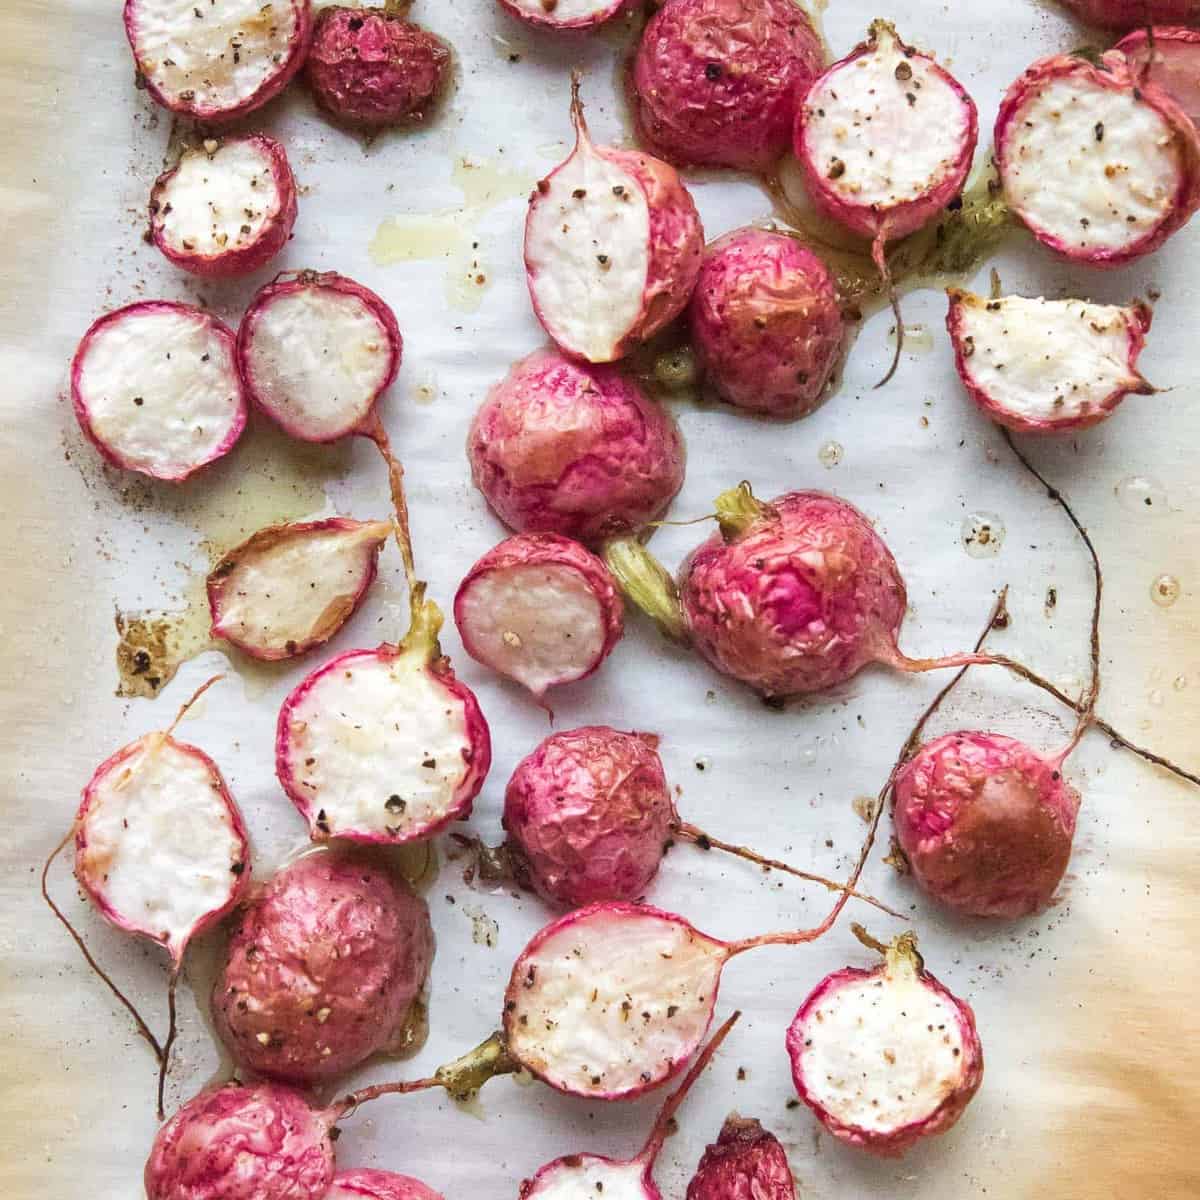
column 564, row 14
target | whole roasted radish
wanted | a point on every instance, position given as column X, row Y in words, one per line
column 321, row 969
column 540, row 609
column 1168, row 57
column 156, row 390
column 744, row 1163
column 364, row 1182
column 1128, row 14
column 563, row 447
column 218, row 59
column 612, row 247
column 1100, row 165
column 766, row 322
column 885, row 1057
column 716, row 81
column 1047, row 366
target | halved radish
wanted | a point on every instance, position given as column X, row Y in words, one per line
column 565, row 14
column 226, row 208
column 383, row 745
column 539, row 609
column 1168, row 57
column 746, row 1162
column 612, row 247
column 1045, row 366
column 378, row 1185
column 885, row 1057
column 1100, row 166
column 156, row 389
column 217, row 59
column 289, row 588
column 580, row 1176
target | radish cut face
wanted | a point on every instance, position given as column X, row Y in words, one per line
column 156, row 390
column 1173, row 65
column 564, row 14
column 215, row 61
column 316, row 352
column 1043, row 366
column 159, row 844
column 365, row 1183
column 586, row 1176
column 289, row 588
column 611, row 1000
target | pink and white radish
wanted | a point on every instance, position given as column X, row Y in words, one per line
column 540, row 609
column 746, row 1162
column 1128, row 14
column 1169, row 58
column 226, row 208
column 161, row 852
column 290, row 588
column 885, row 1057
column 716, row 81
column 219, row 59
column 321, row 969
column 1098, row 164
column 563, row 447
column 885, row 139
column 156, row 390
column 612, row 247
column 373, row 67
column 1047, row 366
column 580, row 1176
column 766, row 322
column 378, row 1185
column 565, row 14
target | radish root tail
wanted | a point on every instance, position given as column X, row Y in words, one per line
column 879, row 258
column 164, row 1063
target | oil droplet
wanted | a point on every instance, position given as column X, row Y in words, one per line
column 1141, row 495
column 484, row 931
column 425, row 390
column 152, row 646
column 1164, row 591
column 864, row 807
column 1179, row 682
column 412, row 1032
column 982, row 534
column 918, row 339
column 416, row 237
column 807, row 755
column 1155, row 698
column 830, row 454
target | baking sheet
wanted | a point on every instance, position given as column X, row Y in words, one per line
column 1087, row 1013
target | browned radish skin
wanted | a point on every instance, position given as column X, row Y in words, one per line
column 1047, row 366
column 219, row 60
column 885, row 1057
column 539, row 609
column 155, row 389
column 365, row 1183
column 226, row 208
column 1168, row 57
column 744, row 1163
column 1128, row 14
column 289, row 588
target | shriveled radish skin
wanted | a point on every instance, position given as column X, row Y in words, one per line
column 1128, row 14
column 217, row 60
column 226, row 208
column 290, row 588
column 1047, row 366
column 1169, row 58
column 612, row 247
column 564, row 14
column 885, row 1057
column 365, row 1182
column 744, row 1163
column 156, row 390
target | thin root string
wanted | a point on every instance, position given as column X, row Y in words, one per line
column 164, row 1062
column 348, row 1104
column 879, row 258
column 705, row 841
column 395, row 471
column 185, row 707
column 142, row 1027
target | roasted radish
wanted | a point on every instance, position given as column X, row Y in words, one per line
column 372, row 67
column 226, row 208
column 321, row 969
column 218, row 59
column 885, row 1057
column 1047, row 366
column 562, row 447
column 587, row 1175
column 290, row 588
column 364, row 1183
column 1100, row 165
column 564, row 14
column 1169, row 58
column 539, row 609
column 1128, row 14
column 716, row 80
column 156, row 389
column 766, row 322
column 744, row 1163
column 612, row 247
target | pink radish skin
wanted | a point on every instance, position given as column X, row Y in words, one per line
column 766, row 322
column 589, row 813
column 1171, row 64
column 986, row 823
column 364, row 1182
column 562, row 447
column 165, row 421
column 1111, row 183
column 567, row 15
column 716, row 80
column 612, row 247
column 289, row 588
column 1047, row 366
column 324, row 963
column 744, row 1163
column 315, row 352
column 539, row 609
column 373, row 68
column 223, row 63
column 226, row 208
column 886, row 1057
column 1128, row 14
